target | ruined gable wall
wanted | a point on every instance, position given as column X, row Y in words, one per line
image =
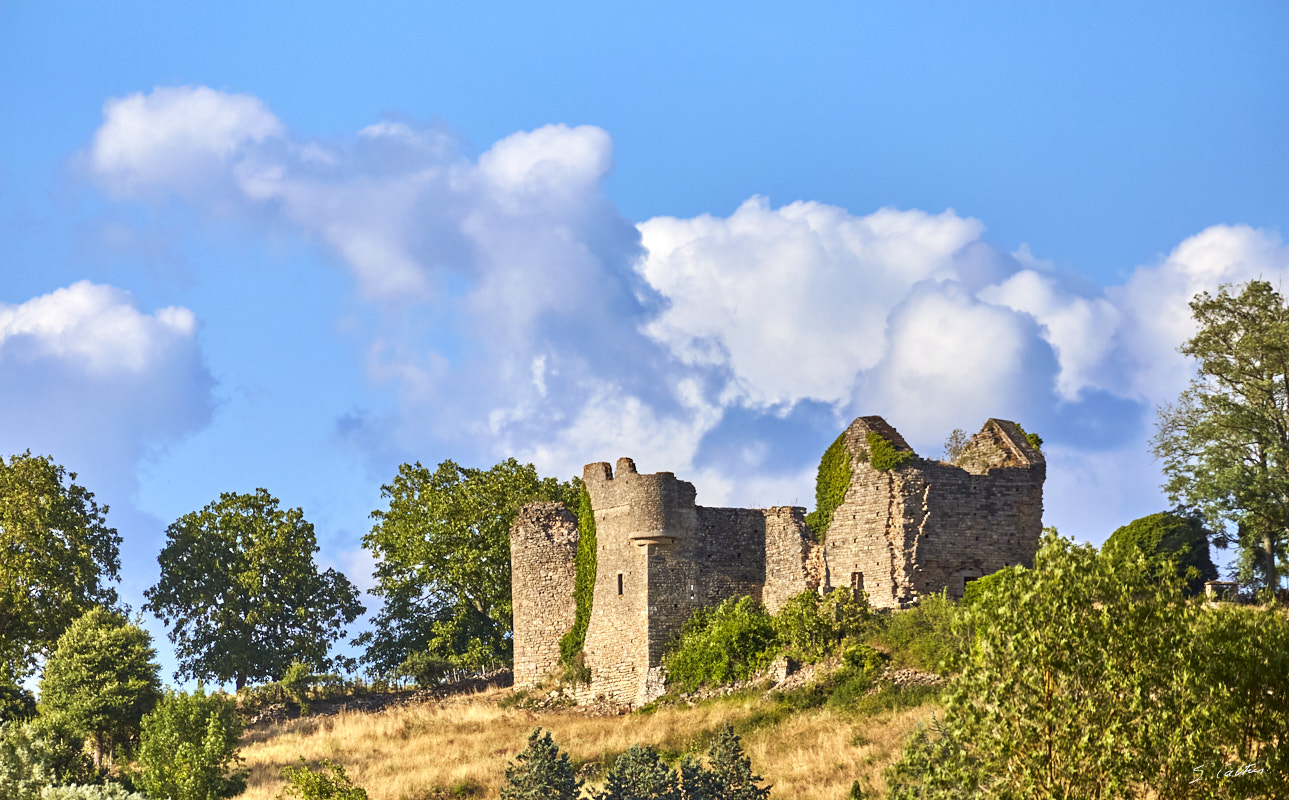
column 869, row 536
column 543, row 543
column 793, row 562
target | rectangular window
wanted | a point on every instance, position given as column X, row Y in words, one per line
column 619, row 583
column 856, row 583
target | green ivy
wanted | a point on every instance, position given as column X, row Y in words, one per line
column 831, row 484
column 883, row 455
column 570, row 647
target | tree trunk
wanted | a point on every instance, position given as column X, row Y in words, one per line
column 240, row 681
column 1269, row 562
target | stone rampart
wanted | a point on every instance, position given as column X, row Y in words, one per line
column 543, row 544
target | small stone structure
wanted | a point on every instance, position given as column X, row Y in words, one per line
column 923, row 527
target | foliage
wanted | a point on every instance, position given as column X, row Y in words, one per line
column 927, row 636
column 540, row 772
column 1225, row 444
column 721, row 645
column 639, row 774
column 1035, row 441
column 1180, row 540
column 882, row 455
column 831, row 484
column 810, row 628
column 1087, row 636
column 58, row 555
column 584, row 563
column 987, row 589
column 728, row 775
column 104, row 791
column 955, row 445
column 16, row 703
column 101, row 679
column 442, row 552
column 39, row 753
column 426, row 670
column 188, row 748
column 241, row 595
column 329, row 783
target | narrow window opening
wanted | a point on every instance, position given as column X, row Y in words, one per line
column 856, row 583
column 619, row 583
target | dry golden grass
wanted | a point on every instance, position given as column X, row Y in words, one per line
column 411, row 753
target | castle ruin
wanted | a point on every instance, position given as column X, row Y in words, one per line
column 925, row 526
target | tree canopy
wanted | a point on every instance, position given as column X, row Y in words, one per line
column 101, row 679
column 57, row 555
column 1180, row 538
column 442, row 552
column 1225, row 443
column 241, row 595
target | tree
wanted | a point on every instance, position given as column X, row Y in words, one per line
column 1180, row 539
column 639, row 774
column 728, row 775
column 329, row 783
column 442, row 552
column 188, row 746
column 101, row 679
column 540, row 772
column 241, row 594
column 56, row 556
column 1091, row 675
column 1225, row 444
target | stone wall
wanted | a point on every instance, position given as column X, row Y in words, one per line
column 898, row 534
column 543, row 544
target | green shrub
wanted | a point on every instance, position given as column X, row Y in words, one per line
column 1177, row 540
column 721, row 645
column 639, row 774
column 728, row 775
column 106, row 791
column 540, row 772
column 929, row 636
column 882, row 455
column 43, row 751
column 188, row 748
column 424, row 668
column 810, row 627
column 329, row 783
column 831, row 484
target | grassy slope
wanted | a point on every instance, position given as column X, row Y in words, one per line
column 424, row 752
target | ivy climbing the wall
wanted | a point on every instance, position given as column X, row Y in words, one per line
column 830, row 487
column 883, row 455
column 570, row 647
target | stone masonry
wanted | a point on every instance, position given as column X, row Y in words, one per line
column 923, row 527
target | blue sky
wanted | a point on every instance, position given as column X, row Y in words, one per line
column 293, row 245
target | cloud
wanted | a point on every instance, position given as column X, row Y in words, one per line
column 174, row 137
column 88, row 378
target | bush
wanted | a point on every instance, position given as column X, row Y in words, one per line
column 540, row 772
column 38, row 753
column 188, row 746
column 639, row 774
column 1178, row 540
column 810, row 628
column 106, row 791
column 16, row 703
column 425, row 669
column 329, row 783
column 728, row 775
column 721, row 645
column 929, row 636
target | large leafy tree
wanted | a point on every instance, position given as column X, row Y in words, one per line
column 57, row 555
column 1091, row 675
column 442, row 552
column 241, row 595
column 1225, row 443
column 101, row 679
